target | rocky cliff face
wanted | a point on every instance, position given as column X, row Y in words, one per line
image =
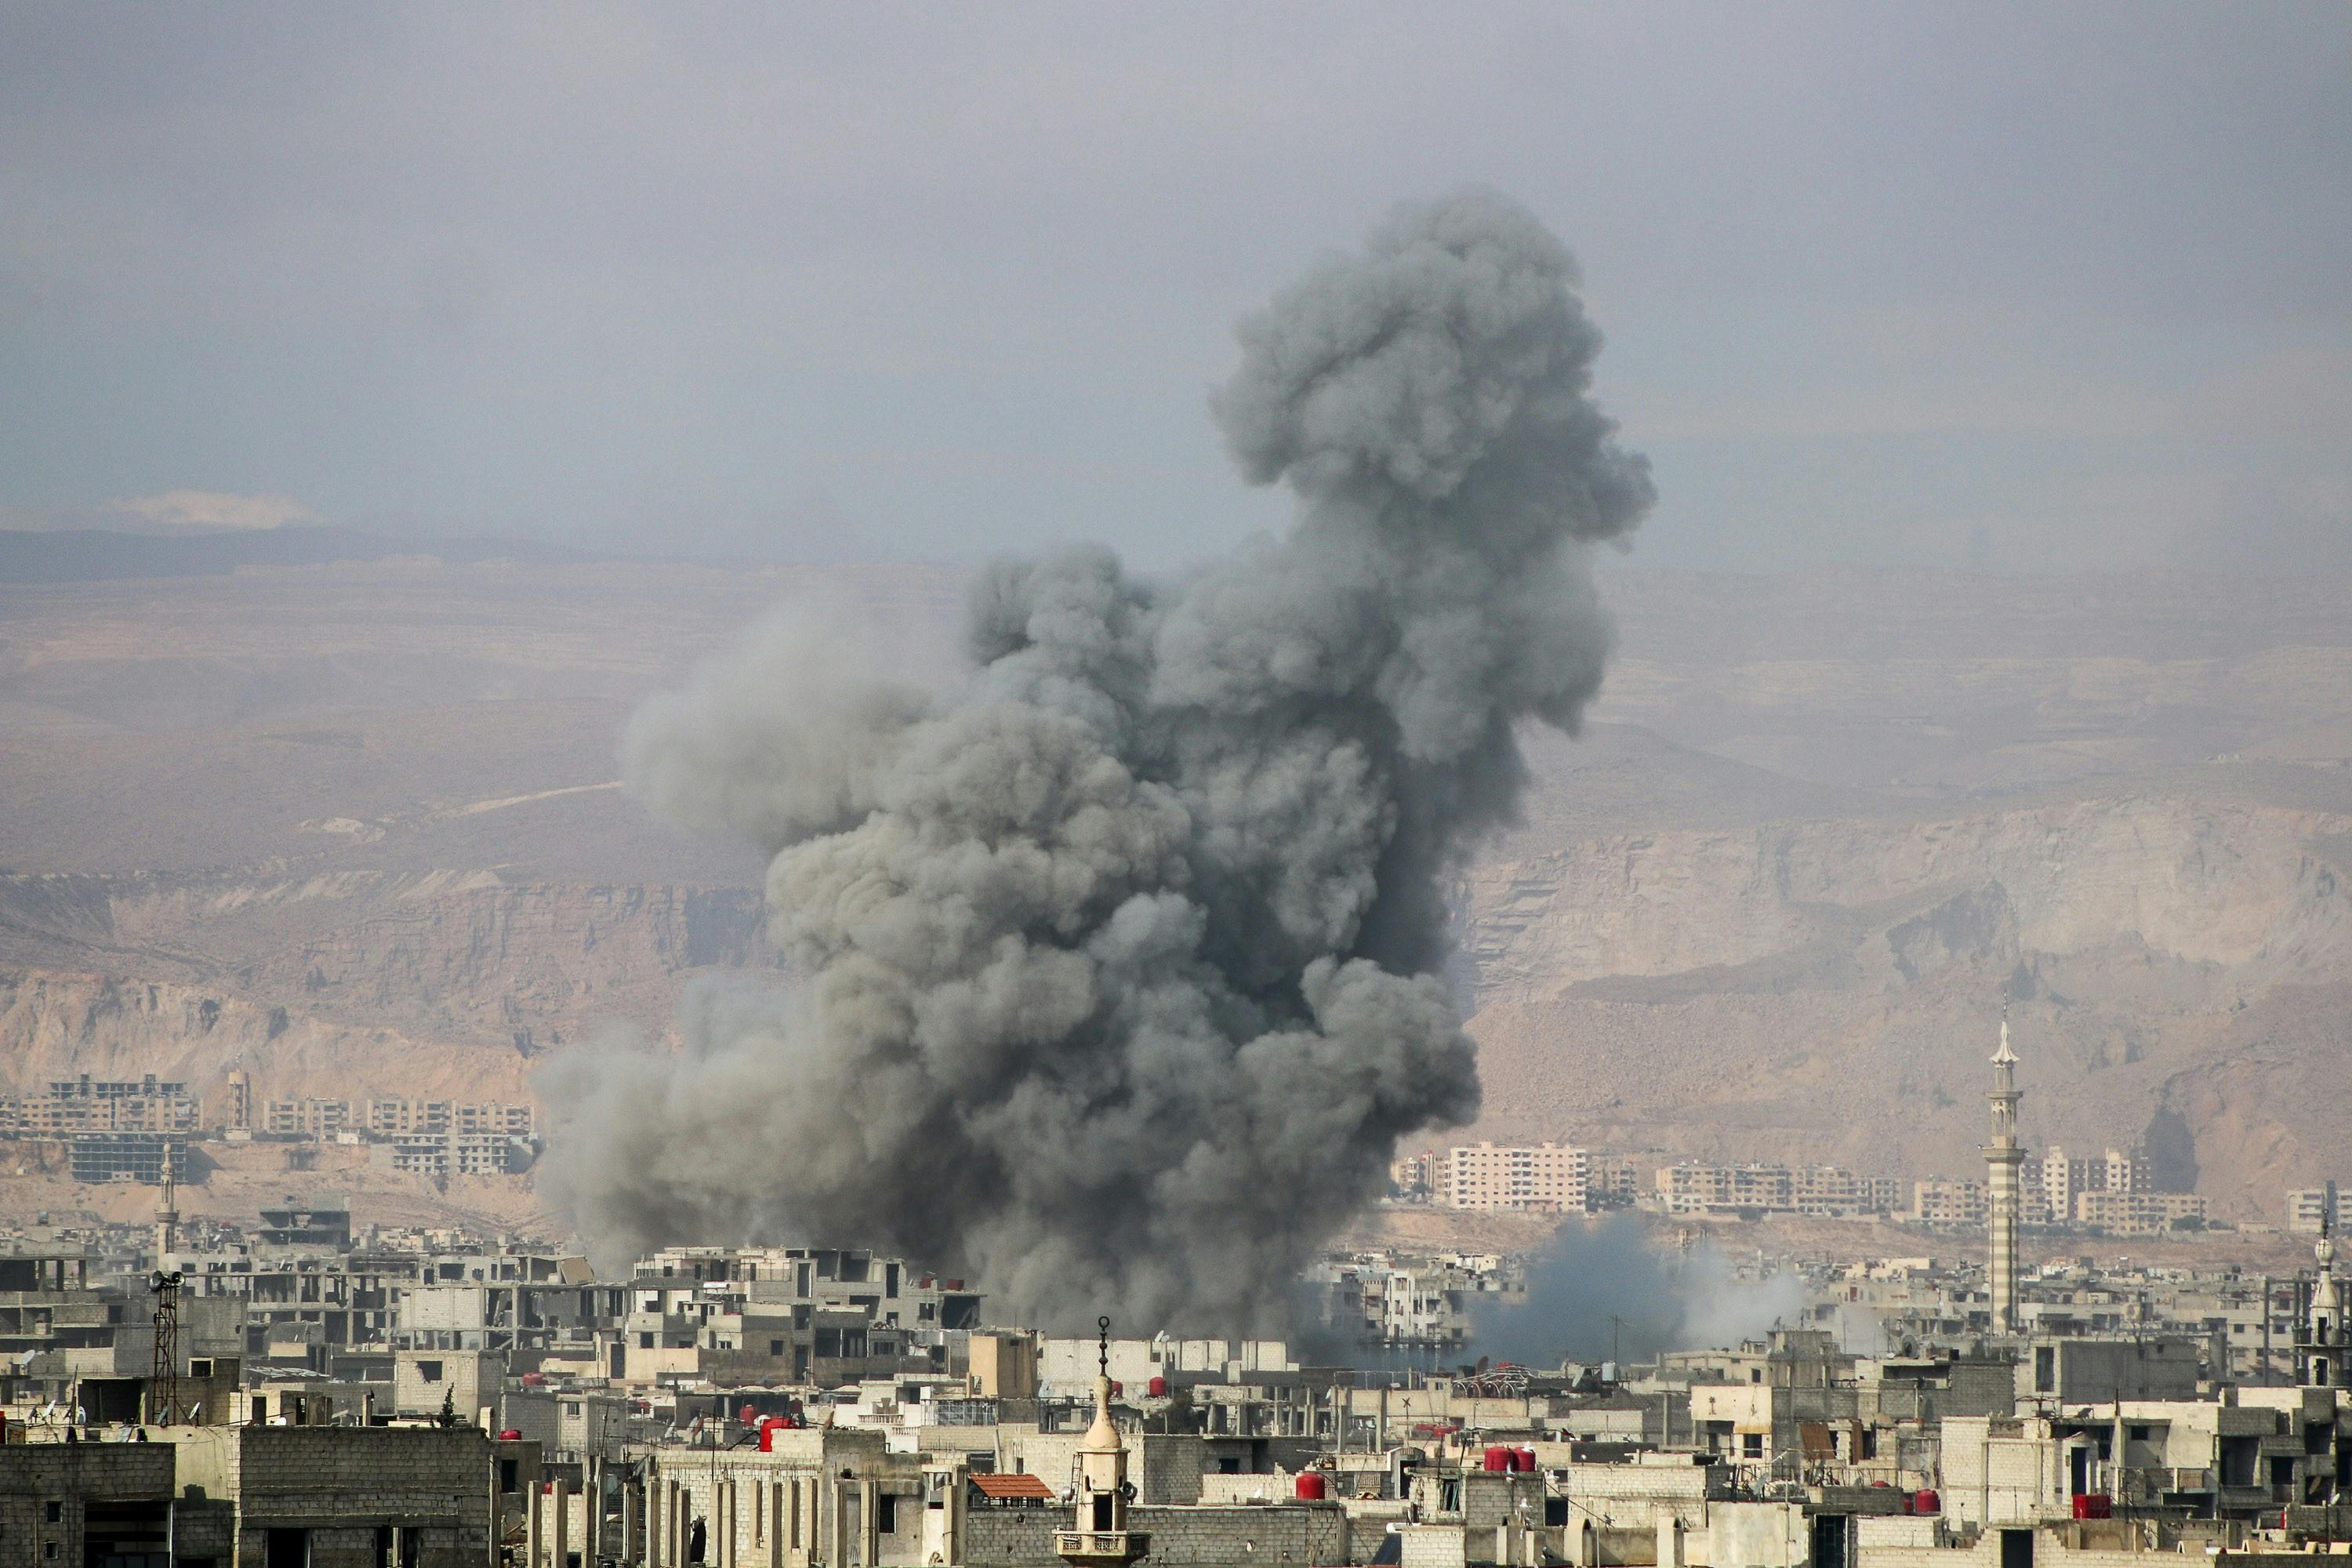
column 345, row 983
column 2205, row 895
column 1830, row 986
column 1772, row 904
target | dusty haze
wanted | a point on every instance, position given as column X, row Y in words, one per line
column 1817, row 829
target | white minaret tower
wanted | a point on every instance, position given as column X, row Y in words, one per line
column 2324, row 1338
column 1101, row 1490
column 167, row 1221
column 2002, row 1158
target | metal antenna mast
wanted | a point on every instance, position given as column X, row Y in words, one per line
column 164, row 1383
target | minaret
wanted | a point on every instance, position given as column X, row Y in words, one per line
column 1102, row 1493
column 2002, row 1158
column 167, row 1222
column 2324, row 1340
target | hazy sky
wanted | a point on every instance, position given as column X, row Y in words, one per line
column 2032, row 286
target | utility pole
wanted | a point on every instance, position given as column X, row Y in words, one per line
column 1615, row 1323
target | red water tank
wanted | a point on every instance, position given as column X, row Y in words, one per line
column 1925, row 1502
column 768, row 1427
column 1158, row 1387
column 1311, row 1487
column 1117, row 1386
column 747, row 1415
column 512, row 1434
column 1523, row 1459
column 1497, row 1457
column 2093, row 1505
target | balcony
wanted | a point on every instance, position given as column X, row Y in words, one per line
column 1122, row 1546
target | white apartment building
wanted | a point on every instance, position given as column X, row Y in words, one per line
column 2065, row 1182
column 1545, row 1176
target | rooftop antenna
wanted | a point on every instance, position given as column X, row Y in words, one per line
column 163, row 1380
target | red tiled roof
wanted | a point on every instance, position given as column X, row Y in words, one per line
column 1013, row 1486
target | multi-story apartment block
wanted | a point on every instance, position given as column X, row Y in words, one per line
column 1696, row 1188
column 312, row 1117
column 2122, row 1212
column 400, row 1116
column 453, row 1153
column 2315, row 1209
column 148, row 1157
column 1612, row 1181
column 1411, row 1174
column 1691, row 1187
column 2064, row 1181
column 1939, row 1200
column 77, row 1105
column 1376, row 1299
column 1550, row 1177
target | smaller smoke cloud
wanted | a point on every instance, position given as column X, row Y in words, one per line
column 1594, row 1283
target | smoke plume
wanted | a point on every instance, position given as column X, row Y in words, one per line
column 1600, row 1291
column 1115, row 967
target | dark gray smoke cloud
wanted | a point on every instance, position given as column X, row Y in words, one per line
column 1116, row 965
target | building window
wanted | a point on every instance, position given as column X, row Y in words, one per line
column 886, row 1514
column 1751, row 1445
column 55, row 1512
column 430, row 1371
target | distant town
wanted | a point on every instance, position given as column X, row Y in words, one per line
column 308, row 1389
column 142, row 1130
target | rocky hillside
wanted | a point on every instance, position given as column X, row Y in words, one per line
column 1774, row 904
column 355, row 828
column 344, row 983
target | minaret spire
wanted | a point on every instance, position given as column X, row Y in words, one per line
column 2003, row 1157
column 1100, row 1537
column 2324, row 1335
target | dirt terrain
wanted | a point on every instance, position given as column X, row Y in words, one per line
column 356, row 829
